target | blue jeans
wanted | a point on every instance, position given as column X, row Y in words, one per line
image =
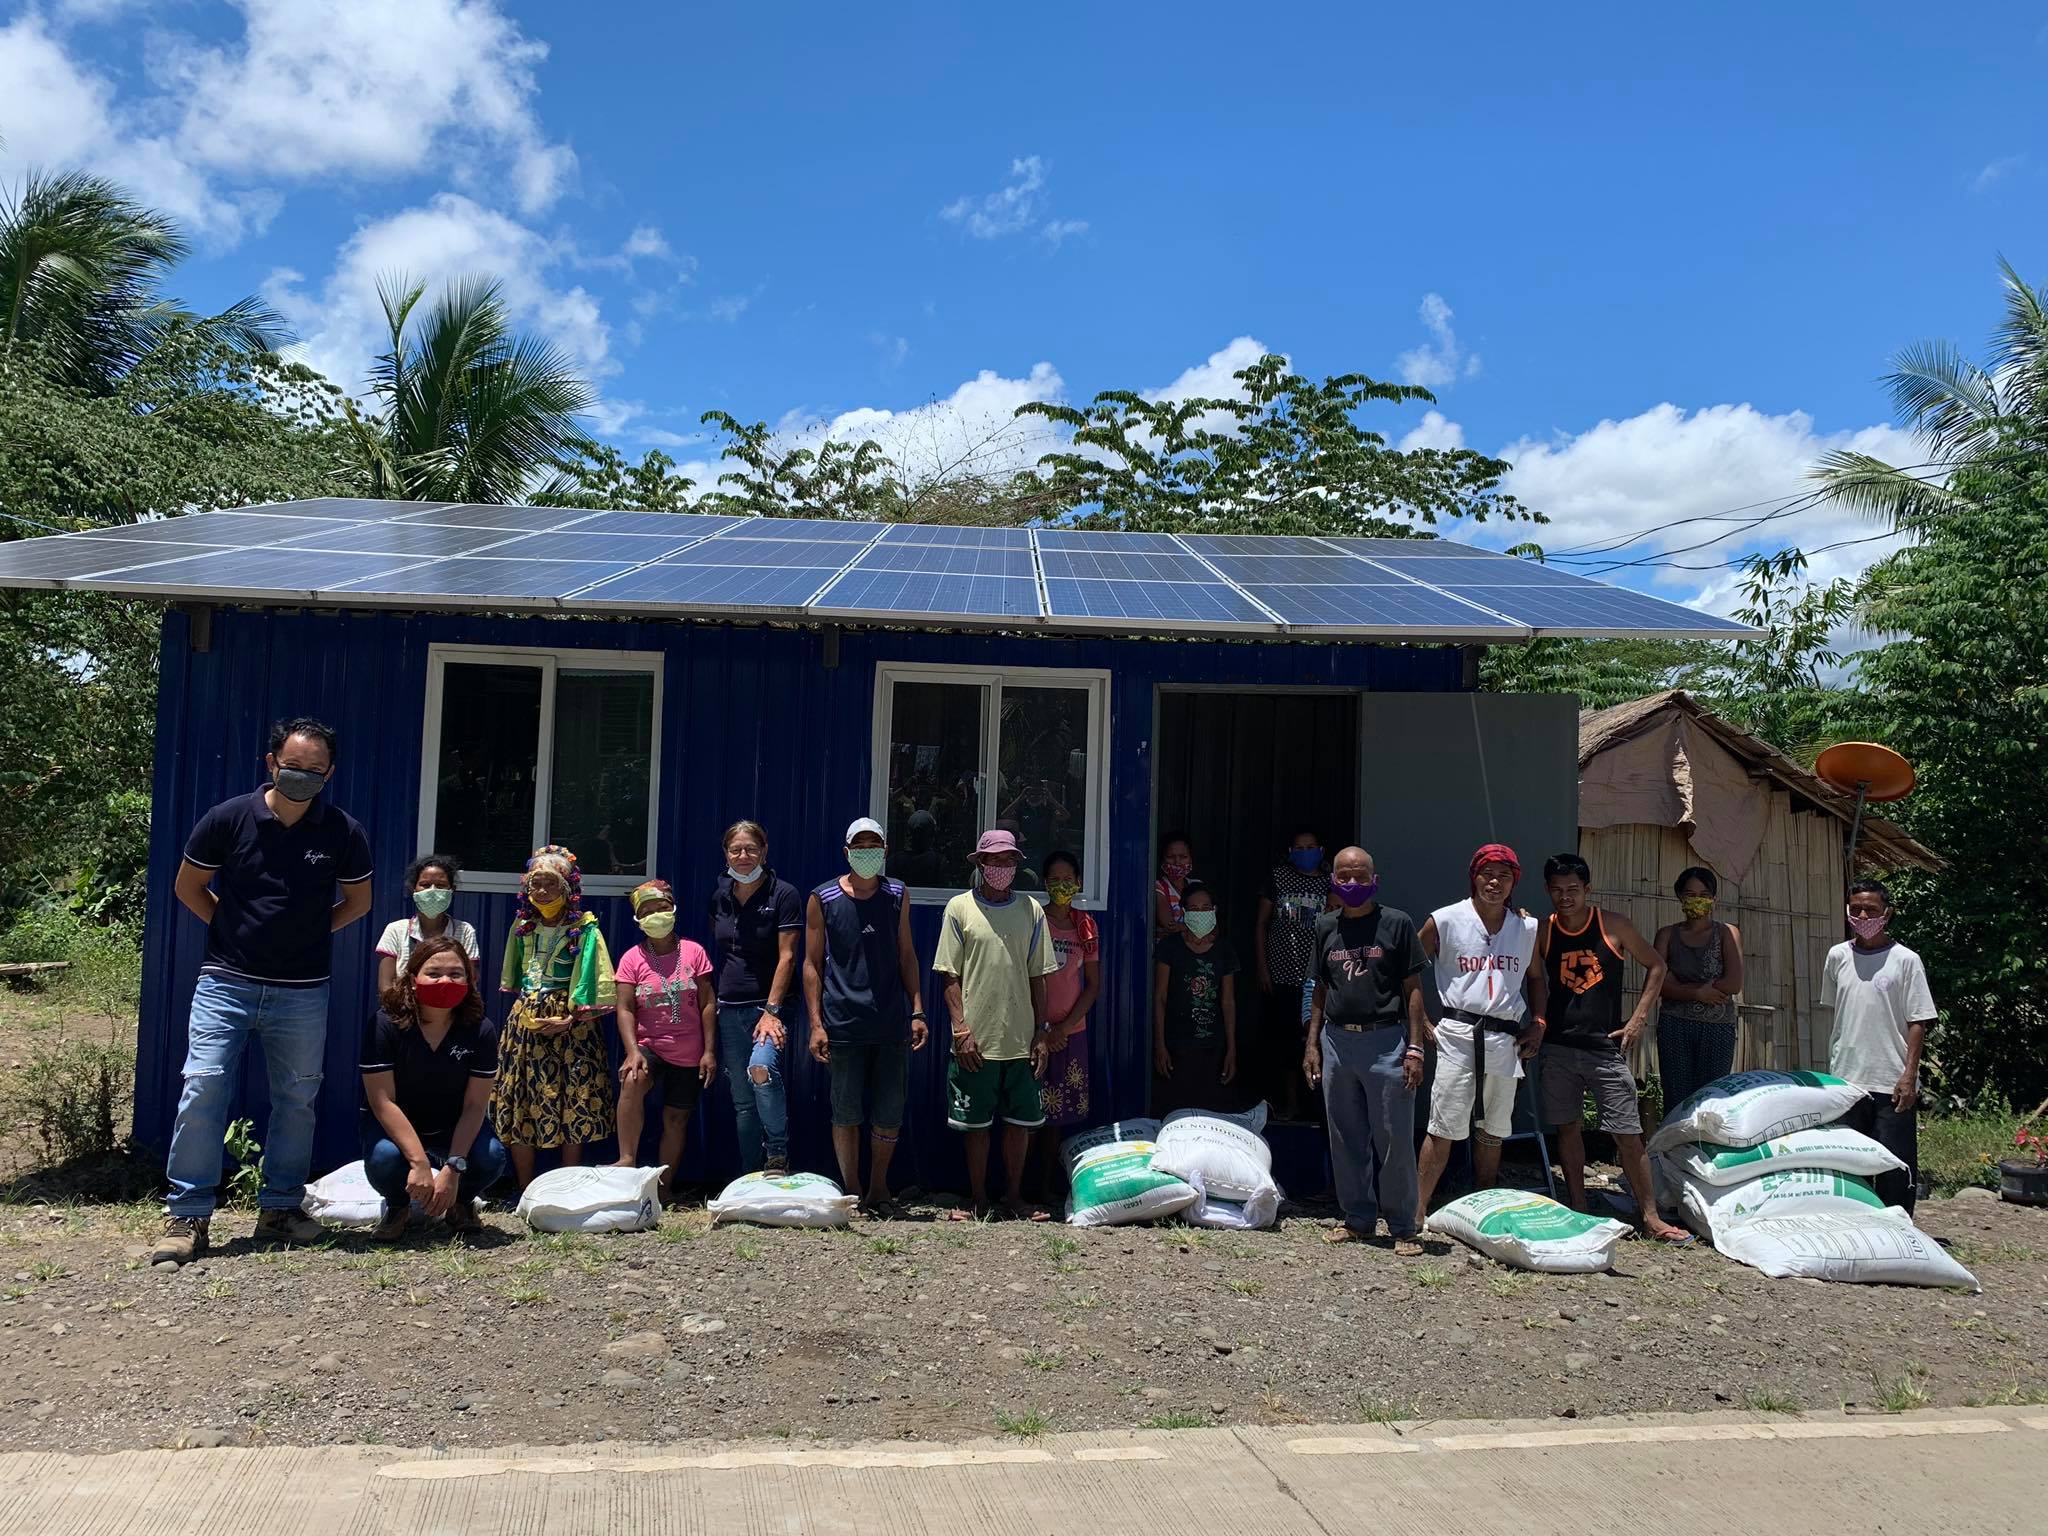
column 385, row 1167
column 292, row 1024
column 762, row 1107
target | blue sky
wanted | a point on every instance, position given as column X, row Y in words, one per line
column 1660, row 258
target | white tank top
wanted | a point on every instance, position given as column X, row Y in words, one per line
column 1482, row 972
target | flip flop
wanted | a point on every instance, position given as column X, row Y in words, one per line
column 1682, row 1240
column 1343, row 1234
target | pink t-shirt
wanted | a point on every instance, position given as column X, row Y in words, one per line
column 666, row 1017
column 1072, row 946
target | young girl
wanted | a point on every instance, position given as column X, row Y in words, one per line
column 668, row 1023
column 1070, row 992
column 427, row 1063
column 553, row 1079
column 1176, row 869
column 1194, row 1012
column 430, row 881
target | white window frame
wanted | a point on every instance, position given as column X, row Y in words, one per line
column 1095, row 683
column 549, row 662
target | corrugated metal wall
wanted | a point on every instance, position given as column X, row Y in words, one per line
column 754, row 723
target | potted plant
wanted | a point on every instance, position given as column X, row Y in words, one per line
column 2023, row 1177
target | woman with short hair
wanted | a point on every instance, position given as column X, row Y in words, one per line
column 428, row 1061
column 430, row 882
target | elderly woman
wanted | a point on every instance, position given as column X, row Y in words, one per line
column 428, row 1060
column 554, row 1082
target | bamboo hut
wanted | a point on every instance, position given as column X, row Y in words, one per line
column 1665, row 784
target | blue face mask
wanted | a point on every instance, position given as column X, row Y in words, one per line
column 1307, row 860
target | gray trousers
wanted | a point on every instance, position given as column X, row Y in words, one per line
column 1372, row 1128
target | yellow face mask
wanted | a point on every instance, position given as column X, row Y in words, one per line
column 550, row 910
column 1697, row 906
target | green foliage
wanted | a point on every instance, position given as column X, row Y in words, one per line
column 468, row 409
column 73, row 1095
column 106, row 962
column 1964, row 695
column 245, row 1184
column 1601, row 673
column 1775, row 685
column 1287, row 458
column 596, row 475
column 113, row 871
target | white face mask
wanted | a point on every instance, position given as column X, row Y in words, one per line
column 745, row 879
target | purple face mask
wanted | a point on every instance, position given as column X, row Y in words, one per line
column 1353, row 894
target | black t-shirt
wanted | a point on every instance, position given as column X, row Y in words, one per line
column 1362, row 962
column 274, row 922
column 431, row 1083
column 749, row 935
column 1194, row 990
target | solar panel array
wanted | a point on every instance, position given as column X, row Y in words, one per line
column 352, row 553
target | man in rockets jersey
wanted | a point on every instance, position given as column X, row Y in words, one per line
column 1482, row 949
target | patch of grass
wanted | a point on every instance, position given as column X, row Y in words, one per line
column 1040, row 1360
column 1903, row 1393
column 1059, row 1246
column 383, row 1279
column 120, row 1306
column 1388, row 1410
column 1972, row 1254
column 459, row 1263
column 1084, row 1303
column 15, row 1293
column 2013, row 1396
column 1245, row 1287
column 746, row 1248
column 419, row 1299
column 1026, row 1425
column 1509, row 1282
column 886, row 1247
column 526, row 1295
column 1961, row 1151
column 47, row 1269
column 1176, row 1421
column 594, row 1261
column 677, row 1232
column 218, row 1290
column 532, row 1269
column 1431, row 1277
column 1768, row 1400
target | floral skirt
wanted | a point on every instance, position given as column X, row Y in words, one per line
column 1065, row 1089
column 551, row 1092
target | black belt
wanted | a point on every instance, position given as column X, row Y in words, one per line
column 1492, row 1021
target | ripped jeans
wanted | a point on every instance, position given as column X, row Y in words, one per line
column 760, row 1106
column 292, row 1024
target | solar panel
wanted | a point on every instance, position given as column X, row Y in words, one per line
column 1499, row 571
column 575, row 544
column 1407, row 549
column 1091, row 539
column 294, row 571
column 61, row 559
column 1264, row 544
column 908, row 592
column 352, row 509
column 939, row 533
column 709, row 586
column 1119, row 565
column 1408, row 607
column 524, row 519
column 1330, row 567
column 819, row 530
column 1596, row 610
column 226, row 530
column 1180, row 601
column 661, row 525
column 947, row 560
column 489, row 577
column 417, row 540
column 782, row 554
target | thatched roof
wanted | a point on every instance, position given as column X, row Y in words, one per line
column 1881, row 845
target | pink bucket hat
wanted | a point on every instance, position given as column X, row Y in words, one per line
column 996, row 842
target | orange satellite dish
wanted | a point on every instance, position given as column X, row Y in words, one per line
column 1866, row 769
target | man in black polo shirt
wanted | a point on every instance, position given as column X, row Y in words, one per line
column 262, row 872
column 1366, row 1031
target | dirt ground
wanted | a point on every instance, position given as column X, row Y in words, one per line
column 934, row 1329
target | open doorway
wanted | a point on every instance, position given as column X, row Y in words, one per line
column 1237, row 773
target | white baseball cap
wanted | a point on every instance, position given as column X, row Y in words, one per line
column 865, row 824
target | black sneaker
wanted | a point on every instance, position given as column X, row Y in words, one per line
column 183, row 1240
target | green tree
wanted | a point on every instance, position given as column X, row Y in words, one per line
column 1778, row 685
column 1601, row 673
column 597, row 475
column 467, row 409
column 1963, row 693
column 80, row 269
column 1288, row 457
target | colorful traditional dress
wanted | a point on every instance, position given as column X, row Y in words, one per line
column 555, row 1090
column 1065, row 1090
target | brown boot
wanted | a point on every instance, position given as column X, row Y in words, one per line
column 183, row 1240
column 289, row 1227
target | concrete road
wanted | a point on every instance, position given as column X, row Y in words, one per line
column 1728, row 1475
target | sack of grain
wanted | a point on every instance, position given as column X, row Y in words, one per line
column 1114, row 1183
column 1530, row 1231
column 1231, row 1161
column 1880, row 1247
column 344, row 1198
column 1749, row 1108
column 1833, row 1147
column 1252, row 1215
column 784, row 1200
column 1712, row 1209
column 593, row 1200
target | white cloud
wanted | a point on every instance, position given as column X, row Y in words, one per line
column 1437, row 364
column 450, row 237
column 1013, row 208
column 728, row 308
column 1672, row 478
column 1215, row 377
column 372, row 89
column 1433, row 431
column 645, row 241
column 1996, row 172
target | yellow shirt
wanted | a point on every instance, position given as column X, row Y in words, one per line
column 995, row 951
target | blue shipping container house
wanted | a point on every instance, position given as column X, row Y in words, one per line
column 630, row 683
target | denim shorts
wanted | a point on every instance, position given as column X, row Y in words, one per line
column 870, row 1082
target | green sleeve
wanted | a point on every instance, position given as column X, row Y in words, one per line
column 512, row 974
column 592, row 985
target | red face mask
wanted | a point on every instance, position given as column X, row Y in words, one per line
column 440, row 994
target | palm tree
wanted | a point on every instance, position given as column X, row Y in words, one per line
column 467, row 409
column 79, row 267
column 1962, row 412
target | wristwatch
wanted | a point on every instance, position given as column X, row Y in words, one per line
column 773, row 1010
column 917, row 1013
column 459, row 1164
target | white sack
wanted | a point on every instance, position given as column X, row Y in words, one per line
column 784, row 1200
column 344, row 1198
column 1114, row 1183
column 1530, row 1231
column 1712, row 1210
column 1747, row 1108
column 1260, row 1211
column 1880, row 1247
column 1833, row 1147
column 593, row 1200
column 1228, row 1160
